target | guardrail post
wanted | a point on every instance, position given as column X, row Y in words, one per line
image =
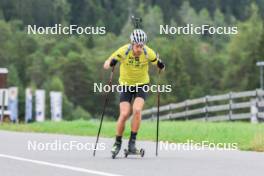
column 254, row 111
column 230, row 106
column 186, row 110
column 206, row 107
column 259, row 103
column 170, row 111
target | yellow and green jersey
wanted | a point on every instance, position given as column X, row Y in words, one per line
column 134, row 71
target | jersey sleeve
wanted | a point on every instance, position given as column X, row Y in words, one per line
column 152, row 56
column 119, row 53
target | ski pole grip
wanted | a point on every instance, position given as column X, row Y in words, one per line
column 160, row 64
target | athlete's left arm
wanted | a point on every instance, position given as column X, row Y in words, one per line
column 154, row 59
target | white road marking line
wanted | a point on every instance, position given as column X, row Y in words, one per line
column 78, row 169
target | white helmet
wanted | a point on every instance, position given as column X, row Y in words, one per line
column 138, row 36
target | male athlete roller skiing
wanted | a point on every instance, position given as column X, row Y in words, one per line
column 134, row 59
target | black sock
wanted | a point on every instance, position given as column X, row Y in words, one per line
column 133, row 135
column 119, row 139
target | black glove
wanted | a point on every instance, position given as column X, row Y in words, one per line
column 113, row 62
column 160, row 65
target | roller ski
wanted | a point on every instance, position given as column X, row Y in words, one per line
column 132, row 150
column 115, row 150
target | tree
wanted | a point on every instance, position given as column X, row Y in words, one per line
column 78, row 83
column 179, row 79
column 152, row 20
column 242, row 53
column 55, row 84
column 13, row 77
column 188, row 14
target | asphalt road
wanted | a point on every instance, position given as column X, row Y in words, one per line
column 18, row 159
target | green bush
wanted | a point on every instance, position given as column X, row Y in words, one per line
column 80, row 113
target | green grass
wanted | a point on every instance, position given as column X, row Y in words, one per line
column 247, row 136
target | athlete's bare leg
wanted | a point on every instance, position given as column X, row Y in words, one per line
column 123, row 116
column 137, row 109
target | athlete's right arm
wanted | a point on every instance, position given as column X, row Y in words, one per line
column 110, row 63
column 115, row 57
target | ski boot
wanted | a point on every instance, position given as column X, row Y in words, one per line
column 115, row 149
column 132, row 150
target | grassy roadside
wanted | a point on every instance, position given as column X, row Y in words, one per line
column 247, row 136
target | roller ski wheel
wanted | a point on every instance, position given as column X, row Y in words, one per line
column 140, row 152
column 113, row 156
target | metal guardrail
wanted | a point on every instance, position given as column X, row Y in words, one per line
column 225, row 103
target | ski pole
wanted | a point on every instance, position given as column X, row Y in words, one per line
column 158, row 106
column 105, row 104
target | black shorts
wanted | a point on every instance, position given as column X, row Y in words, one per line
column 130, row 92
